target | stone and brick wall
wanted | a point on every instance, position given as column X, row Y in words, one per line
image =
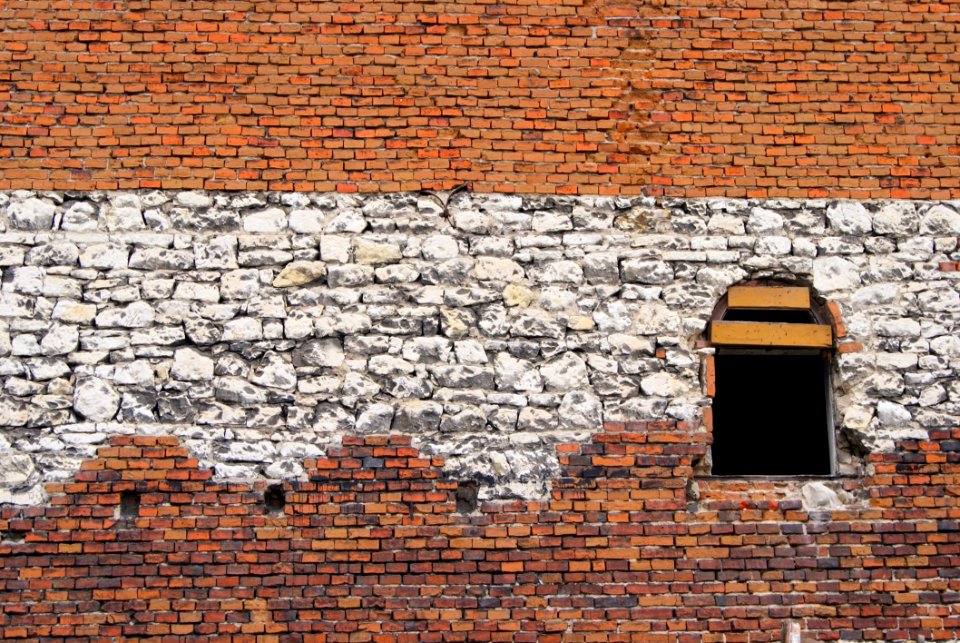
column 370, row 546
column 263, row 327
column 222, row 269
column 843, row 99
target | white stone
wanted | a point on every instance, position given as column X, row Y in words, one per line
column 580, row 410
column 60, row 340
column 335, row 249
column 513, row 374
column 137, row 315
column 947, row 345
column 470, row 352
column 818, row 496
column 875, row 294
column 136, row 373
column 568, row 272
column 124, row 217
column 32, row 214
column 773, row 246
column 725, row 224
column 849, row 217
column 905, row 327
column 896, row 218
column 244, row 329
column 24, row 279
column 240, row 284
column 764, row 222
column 269, row 220
column 350, row 221
column 439, row 247
column 834, row 273
column 661, row 385
column 95, row 399
column 940, row 221
column 566, row 373
column 104, row 256
column 892, row 414
column 191, row 366
column 275, row 372
column 16, row 470
column 858, row 417
column 307, row 221
column 194, row 200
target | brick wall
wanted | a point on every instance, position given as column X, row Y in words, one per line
column 370, row 547
column 840, row 99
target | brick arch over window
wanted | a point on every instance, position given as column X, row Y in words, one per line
column 771, row 387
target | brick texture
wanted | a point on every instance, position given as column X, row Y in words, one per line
column 811, row 99
column 370, row 548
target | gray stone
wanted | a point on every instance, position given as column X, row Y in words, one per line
column 349, row 275
column 327, row 353
column 892, row 414
column 896, row 218
column 234, row 390
column 439, row 247
column 416, row 417
column 647, row 271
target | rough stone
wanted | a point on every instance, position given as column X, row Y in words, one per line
column 191, row 366
column 299, row 273
column 95, row 400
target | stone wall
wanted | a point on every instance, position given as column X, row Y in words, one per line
column 263, row 328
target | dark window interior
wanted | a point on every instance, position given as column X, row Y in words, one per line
column 780, row 316
column 770, row 414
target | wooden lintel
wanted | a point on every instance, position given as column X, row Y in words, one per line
column 769, row 297
column 737, row 333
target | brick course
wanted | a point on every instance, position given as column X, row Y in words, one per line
column 839, row 99
column 370, row 547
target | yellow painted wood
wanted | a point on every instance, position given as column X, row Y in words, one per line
column 737, row 333
column 779, row 298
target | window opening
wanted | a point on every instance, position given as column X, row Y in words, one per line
column 772, row 409
column 129, row 503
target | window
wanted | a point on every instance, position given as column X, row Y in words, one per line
column 772, row 409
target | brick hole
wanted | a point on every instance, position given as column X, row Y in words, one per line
column 466, row 496
column 13, row 535
column 129, row 504
column 274, row 498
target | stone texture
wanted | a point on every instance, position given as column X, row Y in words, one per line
column 254, row 317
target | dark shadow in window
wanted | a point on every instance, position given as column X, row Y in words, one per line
column 771, row 413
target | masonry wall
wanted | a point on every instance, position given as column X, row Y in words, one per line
column 804, row 99
column 370, row 547
column 370, row 259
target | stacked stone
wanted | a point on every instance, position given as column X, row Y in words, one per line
column 263, row 327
